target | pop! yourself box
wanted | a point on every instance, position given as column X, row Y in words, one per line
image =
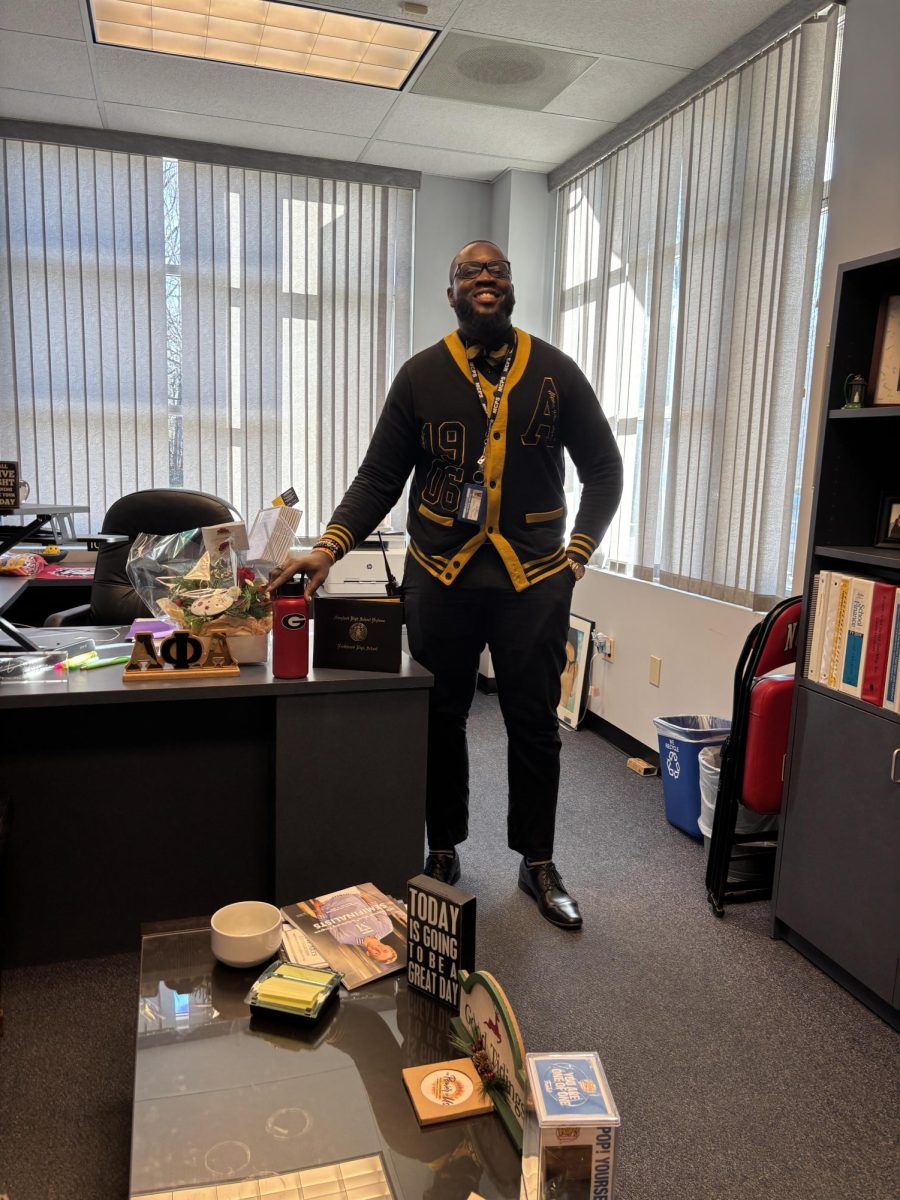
column 571, row 1120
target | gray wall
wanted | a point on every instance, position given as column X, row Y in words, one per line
column 864, row 205
column 449, row 213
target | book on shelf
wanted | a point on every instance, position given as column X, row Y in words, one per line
column 856, row 635
column 853, row 639
column 879, row 643
column 835, row 626
column 818, row 601
column 892, row 681
column 357, row 930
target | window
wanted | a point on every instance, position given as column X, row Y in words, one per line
column 685, row 285
column 177, row 324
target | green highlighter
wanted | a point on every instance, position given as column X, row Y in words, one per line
column 105, row 662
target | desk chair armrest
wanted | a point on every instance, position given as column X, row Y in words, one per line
column 95, row 540
column 80, row 615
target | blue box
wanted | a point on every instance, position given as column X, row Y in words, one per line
column 571, row 1120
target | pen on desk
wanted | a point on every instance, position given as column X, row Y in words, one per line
column 105, row 662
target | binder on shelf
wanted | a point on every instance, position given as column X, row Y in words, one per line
column 878, row 647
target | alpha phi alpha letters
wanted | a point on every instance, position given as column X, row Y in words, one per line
column 181, row 655
column 440, row 937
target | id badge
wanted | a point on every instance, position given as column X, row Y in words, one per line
column 472, row 506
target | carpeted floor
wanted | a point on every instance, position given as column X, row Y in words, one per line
column 740, row 1070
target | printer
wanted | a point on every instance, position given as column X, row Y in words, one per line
column 362, row 573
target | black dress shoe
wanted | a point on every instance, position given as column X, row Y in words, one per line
column 442, row 866
column 544, row 884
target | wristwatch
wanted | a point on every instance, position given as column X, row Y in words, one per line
column 577, row 568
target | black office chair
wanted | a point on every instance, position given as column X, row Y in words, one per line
column 156, row 510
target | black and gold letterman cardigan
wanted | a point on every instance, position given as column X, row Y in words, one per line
column 433, row 424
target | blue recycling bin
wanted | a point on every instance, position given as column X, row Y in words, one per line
column 680, row 741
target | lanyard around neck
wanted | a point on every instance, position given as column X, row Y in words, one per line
column 495, row 407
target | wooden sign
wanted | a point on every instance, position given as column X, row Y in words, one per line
column 180, row 656
column 485, row 1011
column 9, row 485
column 445, row 1091
column 440, row 937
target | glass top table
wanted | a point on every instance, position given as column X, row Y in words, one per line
column 230, row 1106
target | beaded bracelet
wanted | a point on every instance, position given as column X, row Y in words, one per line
column 330, row 547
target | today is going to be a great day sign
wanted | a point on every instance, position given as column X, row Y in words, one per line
column 440, row 937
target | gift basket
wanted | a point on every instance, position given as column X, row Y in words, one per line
column 199, row 581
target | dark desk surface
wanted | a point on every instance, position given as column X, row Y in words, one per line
column 106, row 686
column 221, row 1098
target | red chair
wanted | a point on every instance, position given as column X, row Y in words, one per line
column 752, row 770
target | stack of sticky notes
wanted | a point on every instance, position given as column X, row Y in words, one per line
column 301, row 991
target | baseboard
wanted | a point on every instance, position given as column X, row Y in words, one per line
column 880, row 1007
column 620, row 739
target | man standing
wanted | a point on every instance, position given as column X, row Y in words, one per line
column 482, row 419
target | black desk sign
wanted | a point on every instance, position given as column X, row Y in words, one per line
column 9, row 485
column 357, row 633
column 440, row 937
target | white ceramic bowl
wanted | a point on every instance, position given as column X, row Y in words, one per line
column 246, row 933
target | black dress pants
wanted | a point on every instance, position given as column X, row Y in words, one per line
column 448, row 627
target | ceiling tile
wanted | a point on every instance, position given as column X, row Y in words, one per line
column 38, row 106
column 684, row 33
column 615, row 88
column 221, row 90
column 543, row 137
column 35, row 63
column 453, row 163
column 439, row 11
column 498, row 72
column 57, row 18
column 228, row 132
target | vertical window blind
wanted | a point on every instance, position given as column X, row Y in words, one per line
column 172, row 323
column 685, row 282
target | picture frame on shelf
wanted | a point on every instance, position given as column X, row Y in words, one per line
column 885, row 372
column 573, row 680
column 887, row 533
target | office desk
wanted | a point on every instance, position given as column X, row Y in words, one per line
column 145, row 801
column 29, row 599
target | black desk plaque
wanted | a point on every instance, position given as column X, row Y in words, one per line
column 440, row 937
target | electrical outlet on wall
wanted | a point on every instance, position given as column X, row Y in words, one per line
column 604, row 645
column 655, row 668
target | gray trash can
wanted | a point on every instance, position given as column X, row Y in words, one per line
column 709, row 762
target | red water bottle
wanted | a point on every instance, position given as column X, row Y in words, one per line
column 290, row 631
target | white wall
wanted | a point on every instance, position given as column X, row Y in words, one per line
column 697, row 640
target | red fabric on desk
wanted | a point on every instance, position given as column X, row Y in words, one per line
column 65, row 573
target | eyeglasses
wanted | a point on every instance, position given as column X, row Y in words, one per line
column 499, row 268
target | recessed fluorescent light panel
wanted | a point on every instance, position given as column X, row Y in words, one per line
column 273, row 34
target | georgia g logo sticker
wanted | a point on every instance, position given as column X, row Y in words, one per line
column 293, row 621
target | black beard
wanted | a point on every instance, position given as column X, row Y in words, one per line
column 490, row 329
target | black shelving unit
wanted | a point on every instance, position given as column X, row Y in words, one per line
column 837, row 883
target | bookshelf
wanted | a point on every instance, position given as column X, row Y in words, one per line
column 836, row 893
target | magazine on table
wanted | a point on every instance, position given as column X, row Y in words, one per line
column 357, row 930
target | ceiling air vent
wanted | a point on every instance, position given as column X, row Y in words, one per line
column 490, row 71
